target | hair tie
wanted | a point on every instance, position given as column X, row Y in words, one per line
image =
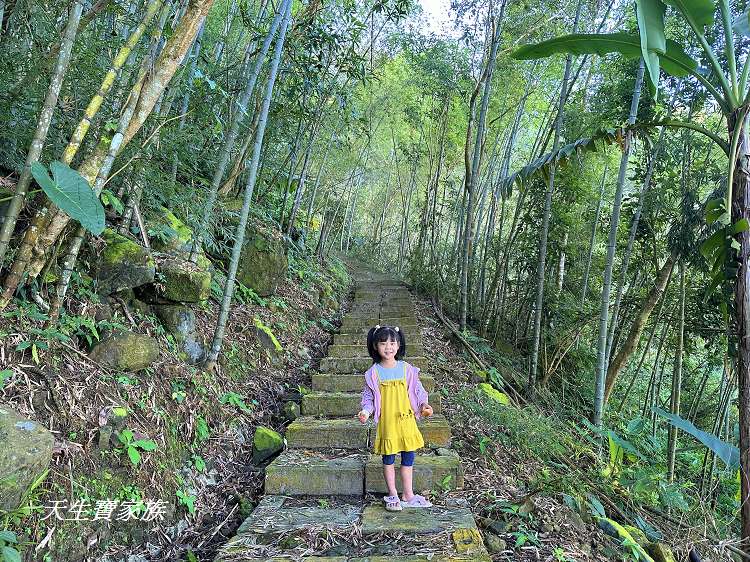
column 396, row 328
column 377, row 327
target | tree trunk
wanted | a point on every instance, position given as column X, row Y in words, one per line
column 231, row 137
column 741, row 210
column 8, row 223
column 601, row 369
column 677, row 378
column 472, row 171
column 631, row 240
column 226, row 301
column 593, row 236
column 38, row 237
column 541, row 265
column 634, row 335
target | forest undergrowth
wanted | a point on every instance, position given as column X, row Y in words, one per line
column 196, row 429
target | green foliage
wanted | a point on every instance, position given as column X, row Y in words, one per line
column 236, row 400
column 72, row 193
column 186, row 499
column 725, row 451
column 133, row 446
column 8, row 543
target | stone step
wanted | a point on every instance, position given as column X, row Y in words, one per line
column 275, row 515
column 415, row 521
column 410, row 332
column 390, row 558
column 360, row 338
column 404, row 320
column 431, row 472
column 339, row 382
column 297, row 472
column 313, row 433
column 344, row 404
column 368, row 323
column 339, row 350
column 361, row 364
column 347, row 433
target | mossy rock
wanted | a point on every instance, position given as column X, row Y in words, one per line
column 493, row 394
column 266, row 443
column 660, row 552
column 263, row 263
column 179, row 320
column 266, row 337
column 25, row 453
column 126, row 351
column 179, row 281
column 178, row 238
column 638, row 535
column 123, row 264
column 621, row 534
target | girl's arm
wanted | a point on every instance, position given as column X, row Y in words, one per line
column 422, row 396
column 368, row 399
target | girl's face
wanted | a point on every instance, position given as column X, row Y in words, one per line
column 387, row 349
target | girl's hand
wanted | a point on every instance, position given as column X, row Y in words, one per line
column 426, row 410
column 363, row 415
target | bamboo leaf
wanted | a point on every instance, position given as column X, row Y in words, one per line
column 725, row 451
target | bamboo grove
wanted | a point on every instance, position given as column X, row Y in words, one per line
column 568, row 180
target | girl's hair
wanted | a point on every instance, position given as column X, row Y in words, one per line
column 385, row 333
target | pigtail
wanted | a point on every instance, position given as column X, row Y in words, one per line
column 371, row 351
column 401, row 343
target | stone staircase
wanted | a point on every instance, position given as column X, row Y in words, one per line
column 319, row 491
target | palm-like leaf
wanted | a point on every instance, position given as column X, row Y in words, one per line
column 674, row 60
column 650, row 14
column 563, row 156
column 700, row 12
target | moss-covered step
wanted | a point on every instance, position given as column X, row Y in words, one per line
column 303, row 473
column 338, row 350
column 347, row 433
column 418, row 521
column 431, row 472
column 476, row 557
column 399, row 320
column 360, row 338
column 343, row 404
column 356, row 327
column 358, row 321
column 361, row 364
column 277, row 516
column 311, row 433
column 338, row 382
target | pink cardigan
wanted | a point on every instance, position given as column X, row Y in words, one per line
column 371, row 392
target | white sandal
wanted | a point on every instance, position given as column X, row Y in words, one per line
column 392, row 503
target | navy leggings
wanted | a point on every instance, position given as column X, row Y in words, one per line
column 407, row 458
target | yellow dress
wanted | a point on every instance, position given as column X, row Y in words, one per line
column 397, row 426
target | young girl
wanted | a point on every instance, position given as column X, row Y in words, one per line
column 396, row 399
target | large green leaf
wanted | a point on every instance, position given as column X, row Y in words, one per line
column 70, row 191
column 650, row 15
column 582, row 44
column 674, row 60
column 562, row 156
column 701, row 12
column 725, row 451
